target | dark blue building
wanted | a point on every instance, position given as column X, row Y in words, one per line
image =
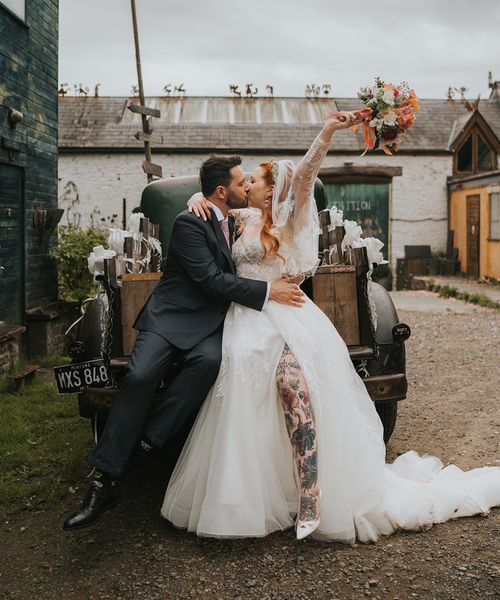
column 28, row 158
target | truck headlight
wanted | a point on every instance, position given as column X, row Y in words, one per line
column 76, row 349
column 401, row 332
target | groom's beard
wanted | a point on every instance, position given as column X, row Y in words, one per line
column 233, row 201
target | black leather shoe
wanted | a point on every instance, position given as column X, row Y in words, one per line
column 102, row 496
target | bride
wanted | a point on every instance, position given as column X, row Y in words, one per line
column 288, row 431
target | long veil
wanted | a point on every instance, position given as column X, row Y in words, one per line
column 296, row 223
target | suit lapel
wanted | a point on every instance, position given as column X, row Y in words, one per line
column 222, row 240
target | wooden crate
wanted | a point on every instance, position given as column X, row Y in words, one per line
column 335, row 292
column 136, row 289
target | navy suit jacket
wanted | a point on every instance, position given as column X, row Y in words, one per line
column 198, row 284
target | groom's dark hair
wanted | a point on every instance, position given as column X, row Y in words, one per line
column 215, row 171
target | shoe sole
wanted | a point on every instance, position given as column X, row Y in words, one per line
column 109, row 507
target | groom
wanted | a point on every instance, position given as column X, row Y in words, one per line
column 183, row 319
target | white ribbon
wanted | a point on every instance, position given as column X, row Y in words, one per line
column 95, row 260
column 336, row 218
column 353, row 232
column 373, row 246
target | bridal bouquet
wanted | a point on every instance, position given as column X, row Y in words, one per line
column 393, row 111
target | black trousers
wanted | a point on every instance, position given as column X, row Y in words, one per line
column 130, row 416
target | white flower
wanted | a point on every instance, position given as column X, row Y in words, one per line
column 388, row 97
column 390, row 119
column 373, row 247
column 95, row 260
column 336, row 218
column 116, row 239
column 134, row 222
column 376, row 123
column 353, row 232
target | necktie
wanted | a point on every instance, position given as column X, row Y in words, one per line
column 224, row 225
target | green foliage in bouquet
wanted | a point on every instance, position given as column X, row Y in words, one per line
column 74, row 246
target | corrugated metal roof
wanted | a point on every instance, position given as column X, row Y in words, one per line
column 242, row 124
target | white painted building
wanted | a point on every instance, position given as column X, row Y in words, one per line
column 100, row 159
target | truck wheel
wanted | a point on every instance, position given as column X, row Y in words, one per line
column 388, row 412
column 97, row 423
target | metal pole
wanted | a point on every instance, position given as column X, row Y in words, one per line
column 145, row 124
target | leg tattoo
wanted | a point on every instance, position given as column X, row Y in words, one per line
column 301, row 428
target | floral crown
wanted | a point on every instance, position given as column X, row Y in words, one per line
column 274, row 169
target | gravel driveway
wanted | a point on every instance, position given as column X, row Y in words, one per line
column 452, row 411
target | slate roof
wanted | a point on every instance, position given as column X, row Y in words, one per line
column 207, row 124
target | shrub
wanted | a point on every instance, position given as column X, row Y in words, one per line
column 74, row 246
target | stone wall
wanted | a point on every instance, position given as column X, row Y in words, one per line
column 99, row 182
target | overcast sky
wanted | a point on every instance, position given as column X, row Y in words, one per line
column 208, row 44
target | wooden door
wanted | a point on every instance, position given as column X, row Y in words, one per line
column 473, row 206
column 11, row 244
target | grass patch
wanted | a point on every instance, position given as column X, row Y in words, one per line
column 44, row 445
column 447, row 291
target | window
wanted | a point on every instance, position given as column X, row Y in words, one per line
column 484, row 155
column 465, row 156
column 18, row 7
column 495, row 216
column 475, row 155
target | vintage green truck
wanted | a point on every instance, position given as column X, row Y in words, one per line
column 362, row 311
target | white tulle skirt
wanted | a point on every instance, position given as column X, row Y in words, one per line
column 236, row 475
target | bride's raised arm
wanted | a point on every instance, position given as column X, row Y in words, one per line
column 308, row 168
column 295, row 214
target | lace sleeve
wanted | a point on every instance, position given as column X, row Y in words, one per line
column 307, row 171
column 295, row 212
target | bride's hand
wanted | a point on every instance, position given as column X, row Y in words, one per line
column 200, row 206
column 346, row 119
column 298, row 279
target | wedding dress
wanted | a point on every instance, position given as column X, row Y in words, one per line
column 236, row 476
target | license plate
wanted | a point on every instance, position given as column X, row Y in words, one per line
column 76, row 377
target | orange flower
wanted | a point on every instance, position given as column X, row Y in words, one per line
column 405, row 116
column 413, row 100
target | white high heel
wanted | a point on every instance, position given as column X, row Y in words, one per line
column 305, row 528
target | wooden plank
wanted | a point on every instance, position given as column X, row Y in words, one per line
column 136, row 290
column 141, row 276
column 324, row 221
column 144, row 110
column 155, row 138
column 28, row 370
column 152, row 169
column 335, row 293
column 11, row 144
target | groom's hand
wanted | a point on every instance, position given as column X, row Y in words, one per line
column 286, row 292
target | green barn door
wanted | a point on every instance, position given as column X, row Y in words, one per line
column 11, row 244
column 365, row 203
